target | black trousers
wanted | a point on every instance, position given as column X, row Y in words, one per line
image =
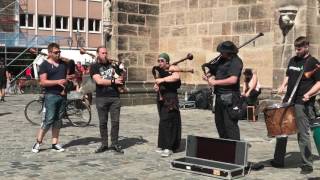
column 227, row 128
column 105, row 105
column 253, row 97
column 169, row 136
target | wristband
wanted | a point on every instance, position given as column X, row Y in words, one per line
column 113, row 81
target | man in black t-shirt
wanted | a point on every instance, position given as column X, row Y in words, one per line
column 107, row 100
column 53, row 73
column 226, row 81
column 303, row 103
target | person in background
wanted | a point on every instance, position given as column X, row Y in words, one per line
column 86, row 73
column 79, row 74
column 71, row 76
column 29, row 73
column 4, row 78
column 251, row 87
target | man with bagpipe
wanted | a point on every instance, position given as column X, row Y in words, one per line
column 107, row 99
column 224, row 76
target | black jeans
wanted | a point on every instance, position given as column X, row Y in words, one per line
column 227, row 128
column 105, row 105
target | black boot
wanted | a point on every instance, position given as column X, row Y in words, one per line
column 279, row 152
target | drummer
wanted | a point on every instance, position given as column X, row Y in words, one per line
column 303, row 100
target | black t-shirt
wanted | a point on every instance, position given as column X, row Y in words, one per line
column 295, row 66
column 105, row 70
column 3, row 76
column 226, row 68
column 168, row 86
column 53, row 73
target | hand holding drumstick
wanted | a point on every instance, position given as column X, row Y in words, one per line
column 314, row 91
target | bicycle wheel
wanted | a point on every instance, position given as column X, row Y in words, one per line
column 33, row 112
column 78, row 113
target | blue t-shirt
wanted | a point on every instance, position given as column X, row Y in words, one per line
column 53, row 73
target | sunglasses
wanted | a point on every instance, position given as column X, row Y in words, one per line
column 161, row 60
column 56, row 52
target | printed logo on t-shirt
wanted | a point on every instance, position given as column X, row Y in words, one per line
column 106, row 73
column 294, row 68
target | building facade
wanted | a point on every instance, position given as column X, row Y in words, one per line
column 136, row 31
column 78, row 21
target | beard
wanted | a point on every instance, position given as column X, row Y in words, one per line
column 301, row 54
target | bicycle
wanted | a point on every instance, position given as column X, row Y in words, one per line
column 78, row 112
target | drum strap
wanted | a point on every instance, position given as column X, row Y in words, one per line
column 296, row 85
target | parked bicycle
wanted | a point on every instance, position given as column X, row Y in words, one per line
column 78, row 112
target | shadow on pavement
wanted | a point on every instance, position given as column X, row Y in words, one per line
column 82, row 141
column 6, row 113
column 292, row 160
column 182, row 146
column 126, row 142
column 67, row 123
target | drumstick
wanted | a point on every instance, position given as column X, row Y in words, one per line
column 315, row 94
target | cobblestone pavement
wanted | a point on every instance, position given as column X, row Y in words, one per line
column 138, row 135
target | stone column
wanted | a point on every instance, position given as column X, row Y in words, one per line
column 134, row 41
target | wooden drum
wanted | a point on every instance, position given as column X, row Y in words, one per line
column 280, row 119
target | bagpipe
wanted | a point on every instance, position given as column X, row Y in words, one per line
column 156, row 69
column 210, row 66
column 158, row 72
column 119, row 70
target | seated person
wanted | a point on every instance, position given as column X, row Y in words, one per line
column 251, row 87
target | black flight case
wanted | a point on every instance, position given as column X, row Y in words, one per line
column 221, row 158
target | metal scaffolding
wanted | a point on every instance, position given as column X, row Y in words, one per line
column 14, row 45
column 9, row 16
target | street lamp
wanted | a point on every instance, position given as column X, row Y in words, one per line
column 70, row 42
column 80, row 40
